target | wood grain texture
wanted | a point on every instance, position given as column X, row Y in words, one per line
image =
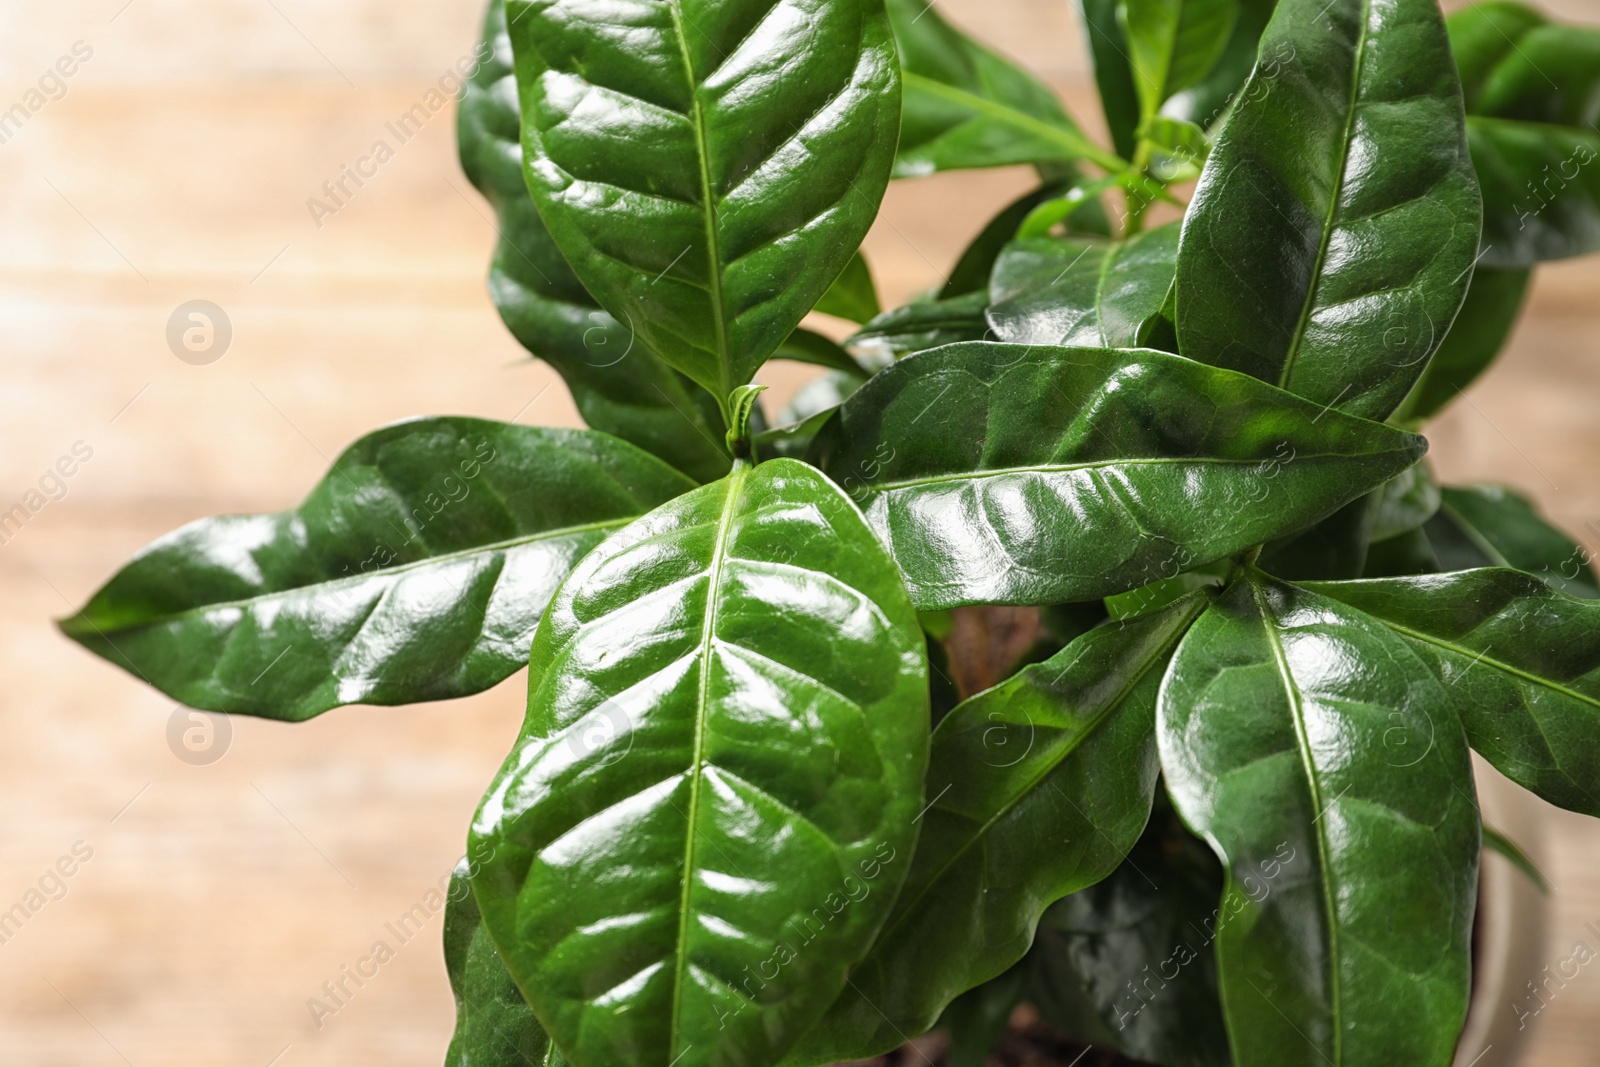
column 177, row 166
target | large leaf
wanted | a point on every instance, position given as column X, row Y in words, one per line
column 1494, row 300
column 1492, row 526
column 708, row 167
column 1048, row 291
column 416, row 570
column 967, row 107
column 1127, row 962
column 1173, row 44
column 1331, row 238
column 1323, row 761
column 494, row 1025
column 616, row 383
column 1011, row 474
column 1520, row 660
column 714, row 799
column 1039, row 787
column 1533, row 101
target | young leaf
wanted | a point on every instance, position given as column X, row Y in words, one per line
column 852, row 296
column 1492, row 526
column 618, row 385
column 416, row 570
column 1332, row 235
column 1097, row 294
column 1127, row 963
column 966, row 107
column 708, row 167
column 1040, row 786
column 1173, row 44
column 715, row 796
column 1113, row 72
column 1011, row 474
column 1323, row 762
column 1494, row 300
column 1521, row 662
column 1531, row 121
column 494, row 1025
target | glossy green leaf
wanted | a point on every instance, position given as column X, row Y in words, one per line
column 1178, row 138
column 494, row 1025
column 924, row 324
column 1011, row 474
column 1207, row 104
column 1038, row 787
column 853, row 295
column 714, row 799
column 1533, row 104
column 1099, row 294
column 616, row 383
column 1404, row 503
column 967, row 107
column 1172, row 44
column 1494, row 301
column 799, row 422
column 1334, row 548
column 708, row 167
column 1492, row 526
column 416, row 570
column 1521, row 662
column 1332, row 235
column 1127, row 963
column 1322, row 760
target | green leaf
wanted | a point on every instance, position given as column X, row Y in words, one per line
column 1046, row 475
column 852, row 296
column 1173, row 44
column 1494, row 300
column 1206, row 104
column 966, row 107
column 806, row 346
column 971, row 272
column 924, row 324
column 1492, row 526
column 1331, row 238
column 1113, row 72
column 494, row 1025
column 1127, row 962
column 1403, row 554
column 1531, row 121
column 1495, row 841
column 416, row 570
column 714, row 798
column 1521, row 662
column 1049, row 291
column 1324, row 764
column 1038, row 788
column 616, row 383
column 708, row 167
column 1332, row 549
column 1404, row 503
column 980, row 1017
column 1179, row 138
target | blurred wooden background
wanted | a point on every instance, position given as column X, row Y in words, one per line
column 175, row 165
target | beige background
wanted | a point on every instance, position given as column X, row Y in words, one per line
column 178, row 164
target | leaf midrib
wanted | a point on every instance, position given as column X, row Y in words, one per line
column 1069, row 140
column 708, row 206
column 1333, row 201
column 68, row 625
column 708, row 633
column 1308, row 764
